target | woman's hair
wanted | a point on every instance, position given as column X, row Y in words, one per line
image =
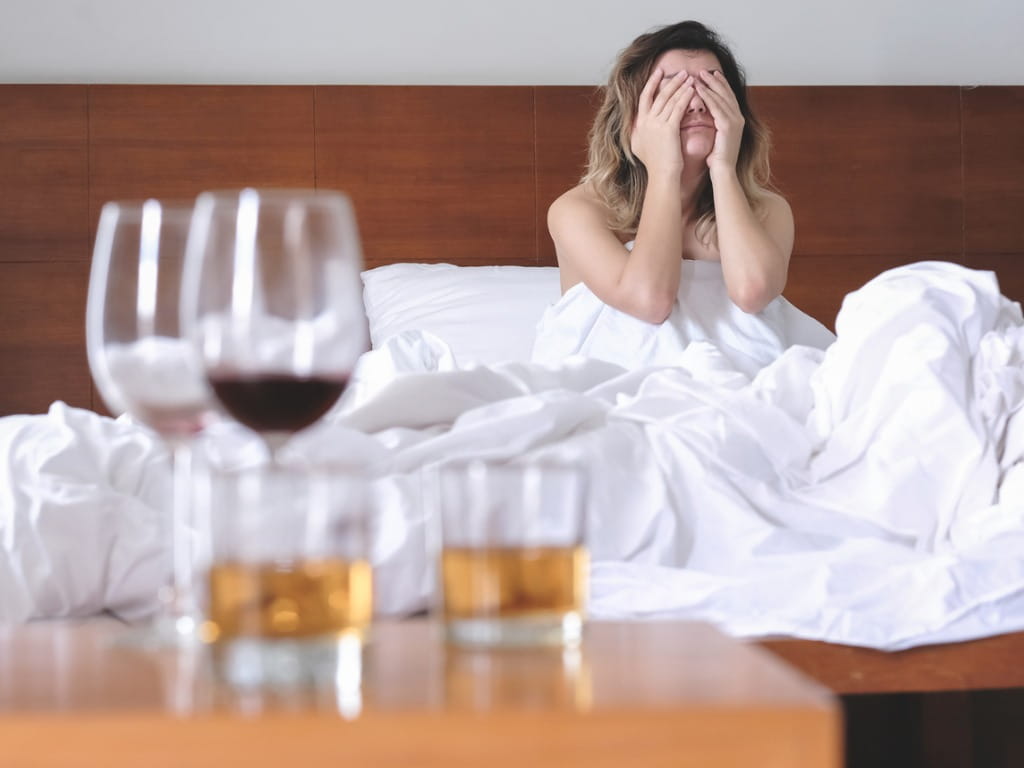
column 619, row 177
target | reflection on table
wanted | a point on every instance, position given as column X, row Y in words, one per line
column 683, row 693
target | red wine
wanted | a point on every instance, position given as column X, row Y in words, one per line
column 276, row 402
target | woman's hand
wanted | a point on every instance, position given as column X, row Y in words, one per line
column 655, row 137
column 715, row 92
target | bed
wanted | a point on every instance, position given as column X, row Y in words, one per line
column 877, row 177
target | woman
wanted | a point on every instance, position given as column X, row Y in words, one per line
column 676, row 191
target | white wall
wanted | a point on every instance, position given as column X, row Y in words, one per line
column 557, row 42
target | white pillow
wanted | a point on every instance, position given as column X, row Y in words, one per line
column 485, row 314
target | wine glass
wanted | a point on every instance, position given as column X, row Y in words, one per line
column 142, row 365
column 273, row 303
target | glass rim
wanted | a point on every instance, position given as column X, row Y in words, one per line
column 273, row 195
column 136, row 206
column 497, row 490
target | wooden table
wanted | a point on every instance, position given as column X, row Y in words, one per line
column 985, row 664
column 650, row 694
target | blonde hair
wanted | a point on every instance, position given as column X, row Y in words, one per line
column 619, row 177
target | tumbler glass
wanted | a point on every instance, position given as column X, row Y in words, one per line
column 514, row 567
column 288, row 582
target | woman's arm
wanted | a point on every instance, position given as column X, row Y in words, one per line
column 645, row 281
column 754, row 250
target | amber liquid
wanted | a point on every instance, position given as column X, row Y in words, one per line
column 300, row 599
column 513, row 582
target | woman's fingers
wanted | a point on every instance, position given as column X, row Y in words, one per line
column 712, row 99
column 647, row 94
column 717, row 84
column 720, row 108
column 654, row 138
column 669, row 91
column 682, row 102
column 718, row 97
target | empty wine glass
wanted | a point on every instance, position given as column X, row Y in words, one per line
column 143, row 366
column 273, row 302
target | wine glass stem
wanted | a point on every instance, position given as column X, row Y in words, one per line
column 181, row 608
column 274, row 442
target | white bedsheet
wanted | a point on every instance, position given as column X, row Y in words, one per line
column 872, row 494
column 581, row 324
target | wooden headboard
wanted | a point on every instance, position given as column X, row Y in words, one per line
column 877, row 176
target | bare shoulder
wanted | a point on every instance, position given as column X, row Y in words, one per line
column 774, row 207
column 579, row 205
column 586, row 249
column 777, row 217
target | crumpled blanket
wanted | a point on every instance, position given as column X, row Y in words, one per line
column 581, row 324
column 871, row 493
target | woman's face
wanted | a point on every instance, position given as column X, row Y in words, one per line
column 697, row 128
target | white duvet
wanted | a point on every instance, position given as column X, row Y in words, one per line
column 871, row 494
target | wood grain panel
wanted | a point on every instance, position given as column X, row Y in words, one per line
column 994, row 169
column 564, row 116
column 43, row 173
column 435, row 173
column 42, row 347
column 175, row 141
column 868, row 170
column 818, row 284
column 1009, row 269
